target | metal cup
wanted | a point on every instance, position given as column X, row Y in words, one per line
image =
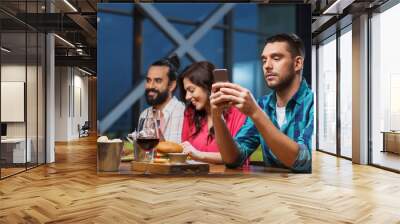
column 109, row 155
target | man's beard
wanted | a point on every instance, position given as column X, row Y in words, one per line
column 284, row 82
column 160, row 98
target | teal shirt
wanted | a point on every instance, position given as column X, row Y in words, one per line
column 299, row 126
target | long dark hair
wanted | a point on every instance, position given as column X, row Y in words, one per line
column 200, row 74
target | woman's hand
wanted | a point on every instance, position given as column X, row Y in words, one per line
column 192, row 151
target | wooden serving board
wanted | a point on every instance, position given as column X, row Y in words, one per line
column 189, row 167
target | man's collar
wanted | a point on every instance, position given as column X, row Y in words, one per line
column 297, row 97
column 170, row 105
column 301, row 91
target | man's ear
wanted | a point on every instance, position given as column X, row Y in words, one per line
column 298, row 63
column 172, row 86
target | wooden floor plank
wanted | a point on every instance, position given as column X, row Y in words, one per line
column 71, row 191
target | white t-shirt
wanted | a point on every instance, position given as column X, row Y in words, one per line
column 281, row 115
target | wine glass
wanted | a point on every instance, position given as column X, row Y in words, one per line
column 148, row 136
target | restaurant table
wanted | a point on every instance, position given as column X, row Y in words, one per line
column 215, row 170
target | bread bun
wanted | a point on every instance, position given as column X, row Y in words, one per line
column 160, row 160
column 160, row 154
column 169, row 147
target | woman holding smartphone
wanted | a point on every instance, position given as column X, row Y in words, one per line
column 198, row 133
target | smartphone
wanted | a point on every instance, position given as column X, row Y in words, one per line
column 221, row 75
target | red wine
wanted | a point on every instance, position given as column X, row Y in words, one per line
column 147, row 143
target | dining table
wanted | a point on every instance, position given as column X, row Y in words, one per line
column 215, row 170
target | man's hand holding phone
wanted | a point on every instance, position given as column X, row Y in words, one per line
column 223, row 93
column 220, row 76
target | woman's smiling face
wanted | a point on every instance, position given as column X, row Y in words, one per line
column 196, row 95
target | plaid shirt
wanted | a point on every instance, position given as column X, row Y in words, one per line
column 299, row 127
column 173, row 117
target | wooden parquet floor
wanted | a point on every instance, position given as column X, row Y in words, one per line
column 70, row 191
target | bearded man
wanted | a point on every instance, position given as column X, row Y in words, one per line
column 159, row 89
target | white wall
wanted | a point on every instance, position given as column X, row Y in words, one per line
column 61, row 103
column 81, row 112
column 16, row 73
column 33, row 127
column 12, row 73
column 71, row 102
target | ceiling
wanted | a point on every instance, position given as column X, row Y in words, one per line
column 76, row 22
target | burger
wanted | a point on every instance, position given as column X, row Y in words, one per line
column 165, row 147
